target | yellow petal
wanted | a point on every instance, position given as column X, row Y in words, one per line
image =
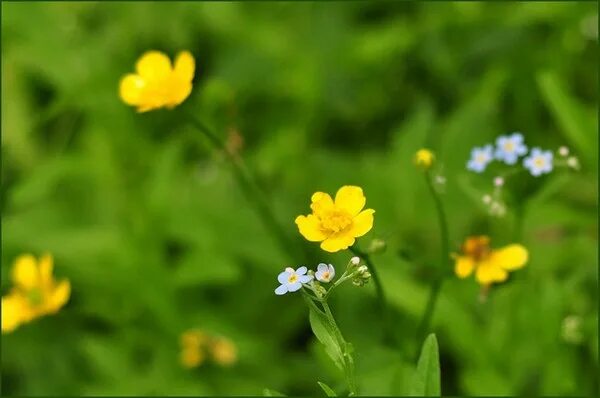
column 25, row 273
column 362, row 223
column 178, row 92
column 153, row 66
column 59, row 296
column 11, row 312
column 184, row 66
column 191, row 357
column 321, row 202
column 511, row 257
column 131, row 89
column 336, row 243
column 351, row 199
column 310, row 227
column 463, row 267
column 46, row 266
column 488, row 272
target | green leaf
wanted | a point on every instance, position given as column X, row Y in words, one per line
column 326, row 335
column 267, row 392
column 426, row 381
column 328, row 390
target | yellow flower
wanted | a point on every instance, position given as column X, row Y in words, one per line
column 223, row 352
column 35, row 292
column 490, row 265
column 336, row 224
column 156, row 84
column 424, row 158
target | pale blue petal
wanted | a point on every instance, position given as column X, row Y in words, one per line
column 322, row 267
column 319, row 275
column 293, row 287
column 305, row 278
column 301, row 271
column 283, row 289
column 283, row 277
column 331, row 271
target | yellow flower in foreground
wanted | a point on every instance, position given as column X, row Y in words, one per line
column 336, row 224
column 35, row 292
column 156, row 83
column 490, row 265
column 424, row 158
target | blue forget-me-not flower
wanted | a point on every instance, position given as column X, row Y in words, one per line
column 325, row 273
column 538, row 162
column 510, row 147
column 291, row 280
column 480, row 157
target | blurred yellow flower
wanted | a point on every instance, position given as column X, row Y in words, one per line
column 156, row 83
column 336, row 224
column 490, row 265
column 424, row 158
column 35, row 292
column 223, row 351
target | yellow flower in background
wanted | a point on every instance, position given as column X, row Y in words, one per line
column 35, row 292
column 156, row 83
column 196, row 345
column 336, row 224
column 490, row 265
column 223, row 351
column 424, row 158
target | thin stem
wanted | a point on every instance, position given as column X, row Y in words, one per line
column 444, row 261
column 389, row 333
column 249, row 185
column 348, row 360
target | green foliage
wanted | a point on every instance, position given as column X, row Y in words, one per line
column 426, row 381
column 325, row 333
column 148, row 224
column 328, row 390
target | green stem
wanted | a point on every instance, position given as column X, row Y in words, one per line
column 348, row 360
column 389, row 333
column 444, row 261
column 249, row 185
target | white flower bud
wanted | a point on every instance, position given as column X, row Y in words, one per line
column 355, row 260
column 563, row 151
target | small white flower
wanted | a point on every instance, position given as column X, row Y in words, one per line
column 355, row 260
column 573, row 163
column 510, row 147
column 325, row 273
column 498, row 181
column 480, row 158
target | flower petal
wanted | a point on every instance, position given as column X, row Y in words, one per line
column 131, row 89
column 153, row 66
column 185, row 66
column 283, row 289
column 464, row 266
column 351, row 199
column 25, row 273
column 283, row 277
column 12, row 306
column 511, row 257
column 488, row 272
column 46, row 265
column 362, row 223
column 310, row 227
column 293, row 287
column 336, row 243
column 331, row 271
column 302, row 270
column 59, row 297
column 322, row 267
column 320, row 203
column 305, row 278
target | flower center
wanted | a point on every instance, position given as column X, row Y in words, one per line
column 293, row 278
column 477, row 248
column 35, row 297
column 539, row 162
column 325, row 275
column 509, row 146
column 481, row 158
column 336, row 220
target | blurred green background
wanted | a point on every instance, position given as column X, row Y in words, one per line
column 147, row 223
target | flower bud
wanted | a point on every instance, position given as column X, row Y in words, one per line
column 424, row 158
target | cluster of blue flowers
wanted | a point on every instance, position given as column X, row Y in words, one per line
column 508, row 149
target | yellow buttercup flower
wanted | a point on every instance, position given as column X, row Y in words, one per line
column 424, row 158
column 336, row 224
column 490, row 265
column 35, row 292
column 156, row 83
column 223, row 351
